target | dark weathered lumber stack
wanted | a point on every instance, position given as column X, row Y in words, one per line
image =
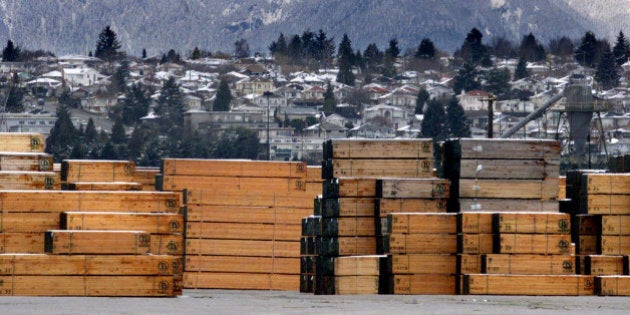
column 357, row 175
column 242, row 222
column 502, row 175
column 98, row 175
column 421, row 250
column 619, row 164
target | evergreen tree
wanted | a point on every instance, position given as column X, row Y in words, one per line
column 63, row 136
column 109, row 152
column 329, row 100
column 170, row 109
column 621, row 51
column 457, row 123
column 497, row 81
column 521, row 69
column 472, row 50
column 136, row 143
column 325, row 47
column 433, row 123
column 118, row 132
column 466, row 79
column 135, row 106
column 393, row 51
column 562, row 47
column 279, row 47
column 11, row 52
column 426, row 49
column 530, row 49
column 90, row 133
column 14, row 102
column 373, row 57
column 345, row 56
column 294, row 49
column 237, row 143
column 586, row 53
column 107, row 45
column 223, row 98
column 503, row 48
column 196, row 54
column 144, row 53
column 241, row 48
column 119, row 79
column 423, row 97
column 607, row 73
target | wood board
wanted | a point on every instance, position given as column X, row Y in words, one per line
column 365, row 265
column 510, row 169
column 243, row 231
column 101, row 186
column 233, row 168
column 87, row 286
column 251, row 248
column 420, row 243
column 605, row 204
column 615, row 224
column 422, row 223
column 225, row 183
column 29, row 180
column 607, row 184
column 348, row 226
column 422, row 264
column 475, row 222
column 378, row 148
column 349, row 187
column 244, row 214
column 155, row 223
column 500, row 205
column 97, row 242
column 243, row 264
column 378, row 168
column 241, row 281
column 345, row 285
column 31, row 242
column 546, row 189
column 413, row 188
column 263, row 198
column 475, row 243
column 528, row 284
column 553, row 244
column 348, row 207
column 26, row 161
column 601, row 265
column 417, row 284
column 532, row 223
column 612, row 285
column 28, row 222
column 386, row 206
column 345, row 246
column 527, row 264
column 21, row 142
column 97, row 171
column 468, row 148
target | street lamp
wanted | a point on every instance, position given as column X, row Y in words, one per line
column 268, row 95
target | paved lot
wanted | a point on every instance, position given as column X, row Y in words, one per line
column 273, row 302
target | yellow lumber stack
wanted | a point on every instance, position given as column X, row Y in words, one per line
column 422, row 249
column 243, row 220
column 23, row 163
column 604, row 200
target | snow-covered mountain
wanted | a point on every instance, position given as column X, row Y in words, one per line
column 72, row 26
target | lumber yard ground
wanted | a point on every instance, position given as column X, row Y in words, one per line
column 279, row 302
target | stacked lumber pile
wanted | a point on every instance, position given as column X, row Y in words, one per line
column 532, row 255
column 242, row 220
column 421, row 250
column 502, row 175
column 23, row 163
column 619, row 164
column 358, row 174
column 98, row 175
column 605, row 200
column 145, row 176
column 97, row 250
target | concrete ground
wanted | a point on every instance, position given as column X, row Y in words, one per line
column 277, row 302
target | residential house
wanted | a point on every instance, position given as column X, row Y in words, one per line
column 388, row 114
column 254, row 86
column 83, row 76
column 473, row 100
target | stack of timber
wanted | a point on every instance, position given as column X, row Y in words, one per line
column 23, row 163
column 243, row 221
column 99, row 175
column 421, row 249
column 475, row 239
column 311, row 227
column 532, row 255
column 99, row 250
column 502, row 175
column 356, row 174
column 605, row 199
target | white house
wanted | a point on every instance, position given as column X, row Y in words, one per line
column 391, row 114
column 81, row 76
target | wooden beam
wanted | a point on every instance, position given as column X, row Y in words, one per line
column 101, row 186
column 612, row 285
column 156, row 223
column 21, row 142
column 607, row 184
column 378, row 168
column 509, row 189
column 97, row 171
column 243, row 264
column 603, row 265
column 422, row 264
column 412, row 188
column 418, row 284
column 378, row 148
column 97, row 242
column 420, row 243
column 387, row 206
column 528, row 284
column 244, row 231
column 28, row 180
column 422, row 223
column 510, row 169
column 245, row 214
column 348, row 207
column 510, row 204
column 475, row 243
column 527, row 264
column 26, row 161
column 241, row 281
column 233, row 168
column 558, row 244
column 606, row 204
column 346, row 246
column 224, row 183
column 475, row 222
column 532, row 223
column 251, row 248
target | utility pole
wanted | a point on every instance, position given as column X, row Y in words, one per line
column 490, row 99
column 268, row 95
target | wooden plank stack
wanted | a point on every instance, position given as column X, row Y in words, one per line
column 242, row 220
column 502, row 175
column 358, row 175
column 99, row 175
column 422, row 249
column 23, row 163
column 605, row 200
